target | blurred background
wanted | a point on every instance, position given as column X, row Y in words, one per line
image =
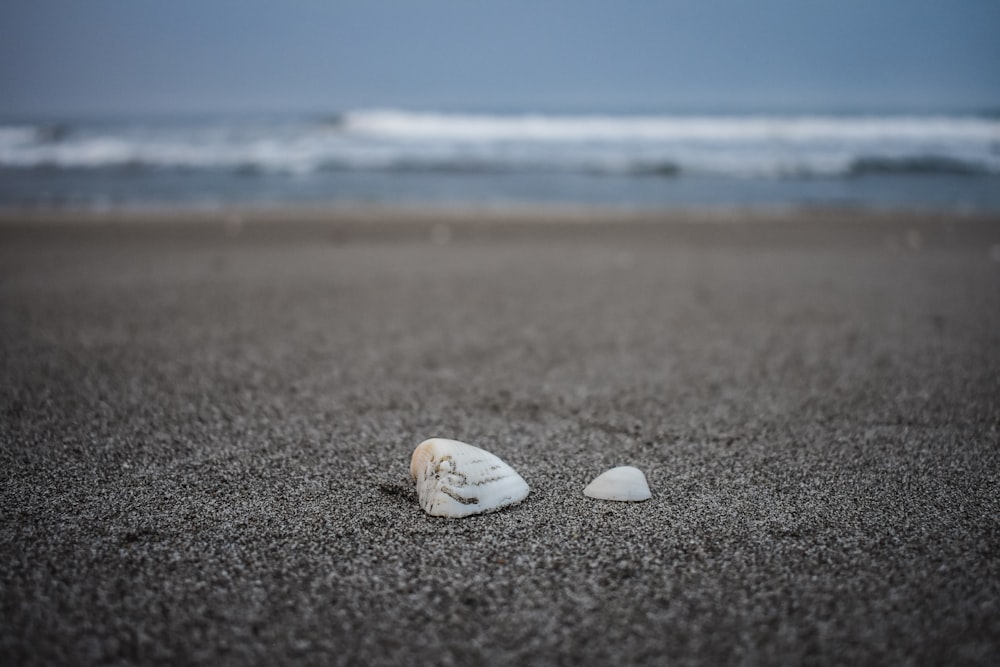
column 186, row 104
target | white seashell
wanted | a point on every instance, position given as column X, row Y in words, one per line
column 621, row 483
column 455, row 479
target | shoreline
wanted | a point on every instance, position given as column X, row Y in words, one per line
column 472, row 214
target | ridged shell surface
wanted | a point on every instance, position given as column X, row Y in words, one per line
column 455, row 479
column 621, row 483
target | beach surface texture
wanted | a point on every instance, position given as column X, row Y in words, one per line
column 207, row 423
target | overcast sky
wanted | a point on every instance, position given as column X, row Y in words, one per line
column 107, row 56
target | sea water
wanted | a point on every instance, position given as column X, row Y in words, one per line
column 397, row 157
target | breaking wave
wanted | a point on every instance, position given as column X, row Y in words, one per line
column 640, row 146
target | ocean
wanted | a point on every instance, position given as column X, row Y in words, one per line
column 397, row 157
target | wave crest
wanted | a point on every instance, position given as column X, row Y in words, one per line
column 402, row 141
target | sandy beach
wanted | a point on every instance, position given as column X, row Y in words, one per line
column 207, row 421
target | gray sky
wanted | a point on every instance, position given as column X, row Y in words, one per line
column 107, row 56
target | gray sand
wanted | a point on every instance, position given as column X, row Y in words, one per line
column 206, row 431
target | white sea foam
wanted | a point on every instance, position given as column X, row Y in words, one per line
column 756, row 146
column 466, row 127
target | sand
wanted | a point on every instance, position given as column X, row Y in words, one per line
column 207, row 422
